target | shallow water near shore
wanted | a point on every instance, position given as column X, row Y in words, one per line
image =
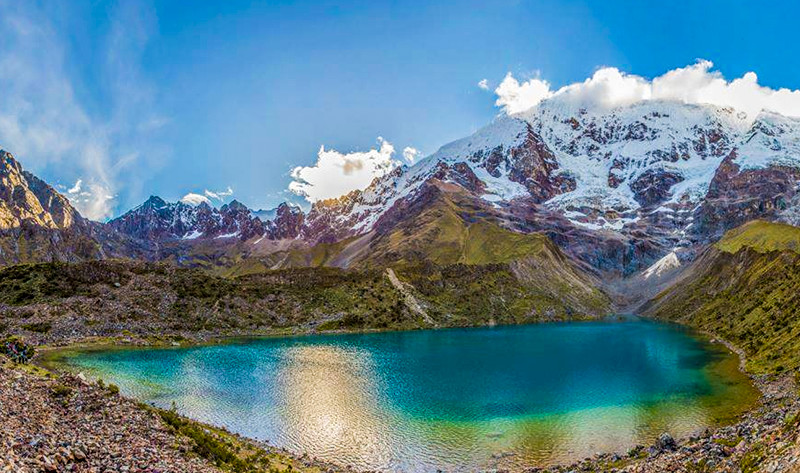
column 456, row 399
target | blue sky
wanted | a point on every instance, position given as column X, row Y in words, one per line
column 135, row 98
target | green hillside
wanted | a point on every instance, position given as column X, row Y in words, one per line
column 746, row 289
column 761, row 236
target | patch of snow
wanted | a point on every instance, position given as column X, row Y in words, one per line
column 193, row 235
column 502, row 187
column 227, row 235
column 663, row 265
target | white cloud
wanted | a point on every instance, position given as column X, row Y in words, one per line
column 76, row 188
column 336, row 174
column 696, row 84
column 483, row 84
column 515, row 97
column 195, row 199
column 45, row 123
column 219, row 195
column 411, row 154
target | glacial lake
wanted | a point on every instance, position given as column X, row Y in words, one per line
column 455, row 399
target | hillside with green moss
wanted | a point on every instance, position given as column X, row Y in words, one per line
column 745, row 290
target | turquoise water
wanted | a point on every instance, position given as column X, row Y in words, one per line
column 457, row 399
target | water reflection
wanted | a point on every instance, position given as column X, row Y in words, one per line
column 330, row 404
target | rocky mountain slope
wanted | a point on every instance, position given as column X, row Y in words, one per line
column 618, row 189
column 57, row 302
column 158, row 221
column 39, row 224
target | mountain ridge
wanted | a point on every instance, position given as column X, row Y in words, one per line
column 616, row 189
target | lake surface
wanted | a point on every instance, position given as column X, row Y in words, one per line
column 459, row 399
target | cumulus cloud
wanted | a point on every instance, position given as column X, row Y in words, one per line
column 335, row 174
column 483, row 84
column 195, row 199
column 411, row 154
column 697, row 84
column 514, row 97
column 46, row 124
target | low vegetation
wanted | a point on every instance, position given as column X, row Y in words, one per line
column 494, row 275
column 17, row 350
column 225, row 450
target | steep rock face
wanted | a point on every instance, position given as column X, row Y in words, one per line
column 26, row 198
column 737, row 195
column 287, row 223
column 39, row 224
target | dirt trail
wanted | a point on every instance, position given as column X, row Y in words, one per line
column 411, row 301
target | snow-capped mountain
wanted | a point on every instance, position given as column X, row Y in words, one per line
column 157, row 220
column 619, row 189
column 644, row 178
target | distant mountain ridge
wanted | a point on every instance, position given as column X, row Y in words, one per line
column 616, row 189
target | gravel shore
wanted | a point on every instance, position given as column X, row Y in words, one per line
column 68, row 424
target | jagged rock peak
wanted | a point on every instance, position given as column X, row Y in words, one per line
column 24, row 198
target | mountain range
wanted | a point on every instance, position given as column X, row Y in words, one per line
column 616, row 190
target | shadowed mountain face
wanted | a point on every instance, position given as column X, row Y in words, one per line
column 616, row 190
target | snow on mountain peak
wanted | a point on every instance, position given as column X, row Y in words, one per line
column 606, row 165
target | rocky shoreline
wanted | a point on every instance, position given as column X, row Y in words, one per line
column 67, row 423
column 767, row 439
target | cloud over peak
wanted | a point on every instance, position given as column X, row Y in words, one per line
column 336, row 174
column 696, row 84
column 195, row 199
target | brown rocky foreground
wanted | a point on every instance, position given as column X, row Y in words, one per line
column 66, row 423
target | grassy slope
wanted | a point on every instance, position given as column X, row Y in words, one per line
column 466, row 268
column 746, row 290
column 762, row 237
column 471, row 270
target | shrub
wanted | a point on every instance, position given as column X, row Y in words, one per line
column 113, row 389
column 59, row 390
column 16, row 349
column 206, row 444
column 38, row 327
